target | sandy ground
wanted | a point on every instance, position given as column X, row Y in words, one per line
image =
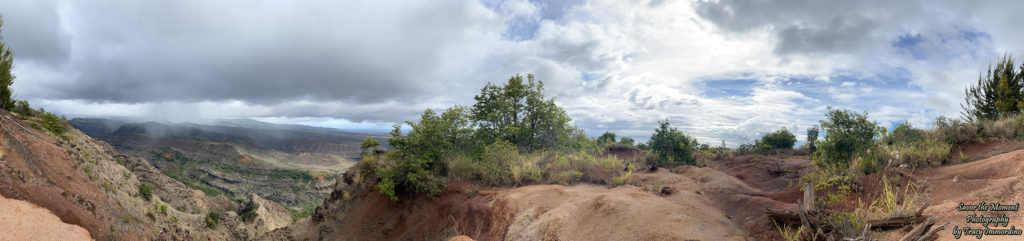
column 999, row 179
column 20, row 220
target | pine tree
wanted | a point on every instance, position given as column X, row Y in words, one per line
column 997, row 94
column 6, row 77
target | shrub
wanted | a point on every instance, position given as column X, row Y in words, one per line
column 52, row 123
column 248, row 211
column 567, row 177
column 626, row 141
column 22, row 108
column 955, row 131
column 163, row 208
column 671, row 145
column 847, row 135
column 211, row 219
column 904, row 133
column 606, row 138
column 931, row 150
column 781, row 139
column 146, row 191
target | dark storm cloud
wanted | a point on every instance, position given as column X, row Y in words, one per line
column 257, row 52
column 39, row 35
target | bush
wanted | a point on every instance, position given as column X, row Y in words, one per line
column 163, row 208
column 248, row 211
column 52, row 123
column 606, row 138
column 931, row 150
column 626, row 141
column 22, row 108
column 781, row 139
column 211, row 219
column 847, row 135
column 904, row 133
column 146, row 191
column 955, row 131
column 671, row 145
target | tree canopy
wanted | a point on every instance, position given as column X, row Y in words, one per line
column 671, row 145
column 998, row 93
column 518, row 113
column 6, row 77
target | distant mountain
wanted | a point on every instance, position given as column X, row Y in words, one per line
column 287, row 138
column 294, row 165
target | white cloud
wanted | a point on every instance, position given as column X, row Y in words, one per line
column 616, row 66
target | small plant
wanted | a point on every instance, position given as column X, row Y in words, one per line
column 126, row 174
column 146, row 191
column 52, row 123
column 163, row 208
column 621, row 179
column 248, row 211
column 788, row 232
column 894, row 203
column 174, row 219
column 127, row 219
column 211, row 219
column 120, row 162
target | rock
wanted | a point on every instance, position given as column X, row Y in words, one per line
column 956, row 179
column 666, row 191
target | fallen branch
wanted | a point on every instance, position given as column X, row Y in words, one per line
column 919, row 230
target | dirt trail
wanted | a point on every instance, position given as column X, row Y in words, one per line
column 996, row 179
column 20, row 220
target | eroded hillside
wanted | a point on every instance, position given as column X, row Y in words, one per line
column 87, row 183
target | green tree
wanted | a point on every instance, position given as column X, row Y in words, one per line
column 999, row 93
column 904, row 133
column 518, row 112
column 626, row 141
column 812, row 137
column 418, row 155
column 847, row 135
column 6, row 77
column 781, row 139
column 606, row 138
column 671, row 145
column 369, row 144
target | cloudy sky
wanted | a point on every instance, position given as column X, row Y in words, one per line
column 719, row 70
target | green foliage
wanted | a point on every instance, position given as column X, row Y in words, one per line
column 812, row 137
column 671, row 146
column 606, row 138
column 847, row 135
column 518, row 113
column 369, row 144
column 418, row 166
column 303, row 212
column 955, row 131
column 146, row 191
column 23, row 108
column 248, row 211
column 916, row 147
column 626, row 141
column 6, row 77
column 904, row 133
column 997, row 94
column 163, row 208
column 211, row 219
column 780, row 139
column 52, row 123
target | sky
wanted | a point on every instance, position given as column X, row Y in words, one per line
column 718, row 70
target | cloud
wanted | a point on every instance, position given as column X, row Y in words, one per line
column 719, row 70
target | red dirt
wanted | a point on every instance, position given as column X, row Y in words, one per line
column 20, row 220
